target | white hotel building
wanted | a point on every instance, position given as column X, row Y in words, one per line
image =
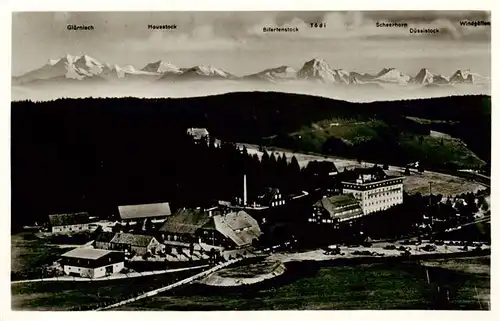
column 375, row 190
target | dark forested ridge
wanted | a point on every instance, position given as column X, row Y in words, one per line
column 79, row 153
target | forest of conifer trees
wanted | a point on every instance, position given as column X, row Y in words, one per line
column 96, row 154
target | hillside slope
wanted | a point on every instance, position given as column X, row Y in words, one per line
column 396, row 132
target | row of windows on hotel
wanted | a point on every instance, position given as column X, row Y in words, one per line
column 358, row 195
column 343, row 212
column 328, row 220
column 392, row 199
column 383, row 208
column 375, row 185
column 380, row 193
column 385, row 192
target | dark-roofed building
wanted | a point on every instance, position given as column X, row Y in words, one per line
column 271, row 197
column 184, row 225
column 215, row 227
column 103, row 240
column 135, row 243
column 321, row 168
column 336, row 209
column 69, row 223
column 375, row 190
column 322, row 175
column 92, row 263
column 153, row 211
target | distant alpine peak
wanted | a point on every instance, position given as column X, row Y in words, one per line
column 463, row 76
column 161, row 66
column 385, row 70
column 85, row 67
column 284, row 69
column 52, row 62
column 392, row 75
column 69, row 58
column 424, row 70
column 276, row 74
column 317, row 61
column 424, row 76
column 208, row 70
column 317, row 64
column 86, row 61
column 463, row 73
column 89, row 60
column 319, row 69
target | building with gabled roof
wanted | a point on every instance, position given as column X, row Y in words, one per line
column 335, row 209
column 223, row 228
column 103, row 240
column 135, row 243
column 322, row 175
column 271, row 197
column 92, row 263
column 153, row 211
column 184, row 224
column 239, row 227
column 321, row 168
column 70, row 222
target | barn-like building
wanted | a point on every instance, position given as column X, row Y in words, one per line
column 92, row 263
column 70, row 222
column 138, row 213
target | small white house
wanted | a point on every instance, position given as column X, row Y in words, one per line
column 92, row 263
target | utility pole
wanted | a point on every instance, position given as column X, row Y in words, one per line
column 430, row 204
column 430, row 194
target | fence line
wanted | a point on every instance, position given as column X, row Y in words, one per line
column 108, row 278
column 171, row 286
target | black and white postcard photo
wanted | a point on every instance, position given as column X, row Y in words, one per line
column 250, row 160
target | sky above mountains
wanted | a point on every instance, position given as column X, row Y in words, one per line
column 234, row 40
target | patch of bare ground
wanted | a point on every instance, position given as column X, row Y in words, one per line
column 245, row 274
column 476, row 265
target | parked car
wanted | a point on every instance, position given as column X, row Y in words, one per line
column 429, row 248
column 405, row 253
column 334, row 251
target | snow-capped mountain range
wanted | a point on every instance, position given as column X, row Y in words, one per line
column 84, row 68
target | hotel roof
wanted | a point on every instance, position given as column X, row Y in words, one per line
column 367, row 175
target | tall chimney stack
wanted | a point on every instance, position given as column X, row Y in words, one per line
column 244, row 190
